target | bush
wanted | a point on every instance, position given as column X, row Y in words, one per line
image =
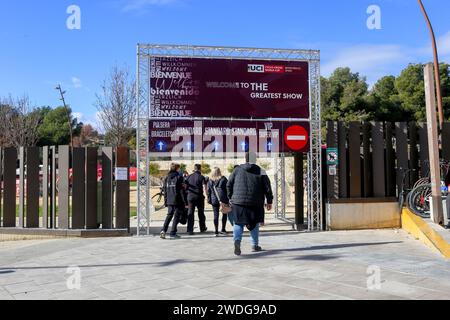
column 206, row 168
column 154, row 169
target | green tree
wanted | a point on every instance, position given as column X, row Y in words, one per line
column 344, row 96
column 411, row 93
column 155, row 169
column 206, row 168
column 54, row 129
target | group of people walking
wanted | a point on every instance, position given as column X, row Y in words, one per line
column 241, row 200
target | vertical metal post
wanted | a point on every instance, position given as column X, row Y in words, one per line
column 433, row 144
column 9, row 187
column 378, row 161
column 107, row 188
column 91, row 188
column 299, row 191
column 355, row 159
column 32, row 187
column 53, row 187
column 123, row 190
column 45, row 193
column 78, row 188
column 63, row 187
column 21, row 187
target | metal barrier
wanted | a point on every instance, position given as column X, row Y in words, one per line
column 62, row 188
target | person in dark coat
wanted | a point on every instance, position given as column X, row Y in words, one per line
column 248, row 189
column 217, row 194
column 196, row 184
column 447, row 201
column 175, row 200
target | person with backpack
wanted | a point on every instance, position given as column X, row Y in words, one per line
column 196, row 184
column 174, row 199
column 218, row 199
column 248, row 188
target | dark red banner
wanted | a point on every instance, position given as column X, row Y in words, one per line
column 218, row 136
column 229, row 88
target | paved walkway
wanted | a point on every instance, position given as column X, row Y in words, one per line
column 331, row 265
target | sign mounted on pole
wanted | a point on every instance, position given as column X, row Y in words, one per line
column 332, row 156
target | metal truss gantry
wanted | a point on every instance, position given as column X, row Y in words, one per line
column 144, row 54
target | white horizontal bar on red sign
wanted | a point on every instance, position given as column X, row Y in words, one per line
column 296, row 138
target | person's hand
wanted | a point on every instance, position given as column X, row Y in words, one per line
column 269, row 207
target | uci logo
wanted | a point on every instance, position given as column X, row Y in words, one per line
column 258, row 68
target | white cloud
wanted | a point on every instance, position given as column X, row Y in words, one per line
column 76, row 82
column 136, row 5
column 372, row 61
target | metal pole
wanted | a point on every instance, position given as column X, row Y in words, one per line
column 67, row 112
column 435, row 172
column 436, row 66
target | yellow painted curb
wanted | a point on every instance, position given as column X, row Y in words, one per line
column 419, row 229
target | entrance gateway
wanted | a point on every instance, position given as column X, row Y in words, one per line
column 198, row 102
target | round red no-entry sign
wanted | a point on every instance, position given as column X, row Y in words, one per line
column 296, row 138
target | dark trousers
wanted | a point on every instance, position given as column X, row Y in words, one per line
column 174, row 213
column 216, row 210
column 200, row 205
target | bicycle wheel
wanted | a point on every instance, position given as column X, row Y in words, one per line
column 419, row 201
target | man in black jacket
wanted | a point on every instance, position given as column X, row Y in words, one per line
column 248, row 189
column 175, row 200
column 196, row 184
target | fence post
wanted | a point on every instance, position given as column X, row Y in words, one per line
column 9, row 187
column 123, row 189
column 45, row 193
column 355, row 159
column 32, row 187
column 21, row 187
column 401, row 145
column 343, row 171
column 332, row 190
column 107, row 188
column 413, row 153
column 63, row 187
column 78, row 188
column 390, row 161
column 367, row 161
column 91, row 188
column 378, row 164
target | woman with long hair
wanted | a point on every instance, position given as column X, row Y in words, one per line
column 217, row 197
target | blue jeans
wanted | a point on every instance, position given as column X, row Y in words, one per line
column 238, row 231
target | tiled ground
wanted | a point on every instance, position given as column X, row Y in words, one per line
column 331, row 265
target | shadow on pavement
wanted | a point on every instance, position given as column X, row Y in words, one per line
column 259, row 255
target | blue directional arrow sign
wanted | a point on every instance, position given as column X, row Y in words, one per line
column 161, row 146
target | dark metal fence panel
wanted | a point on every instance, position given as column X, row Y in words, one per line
column 390, row 161
column 446, row 141
column 343, row 163
column 107, row 187
column 32, row 187
column 367, row 161
column 123, row 189
column 91, row 188
column 332, row 180
column 21, row 187
column 423, row 150
column 9, row 187
column 78, row 188
column 45, row 189
column 355, row 159
column 413, row 153
column 401, row 146
column 378, row 161
column 63, row 187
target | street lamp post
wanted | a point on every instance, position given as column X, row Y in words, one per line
column 436, row 66
column 67, row 112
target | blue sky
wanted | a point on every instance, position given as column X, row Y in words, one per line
column 38, row 51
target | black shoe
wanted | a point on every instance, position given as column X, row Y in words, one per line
column 203, row 231
column 174, row 237
column 217, row 234
column 237, row 248
column 190, row 233
column 224, row 232
column 256, row 249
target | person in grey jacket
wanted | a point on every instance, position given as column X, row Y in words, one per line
column 249, row 189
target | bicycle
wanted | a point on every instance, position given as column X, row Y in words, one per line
column 159, row 198
column 418, row 199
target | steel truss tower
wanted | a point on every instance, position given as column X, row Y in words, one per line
column 144, row 102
